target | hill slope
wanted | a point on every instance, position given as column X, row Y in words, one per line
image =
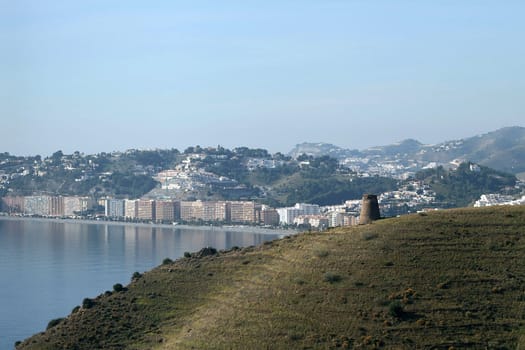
column 438, row 280
column 502, row 149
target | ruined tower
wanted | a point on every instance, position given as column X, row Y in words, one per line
column 369, row 209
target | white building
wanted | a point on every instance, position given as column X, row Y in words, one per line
column 287, row 215
column 114, row 208
column 487, row 200
column 308, row 209
column 131, row 208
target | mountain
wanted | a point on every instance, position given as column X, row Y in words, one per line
column 321, row 149
column 503, row 150
column 441, row 280
column 403, row 148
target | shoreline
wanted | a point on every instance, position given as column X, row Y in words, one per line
column 232, row 228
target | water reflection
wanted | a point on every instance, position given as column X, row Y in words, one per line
column 48, row 267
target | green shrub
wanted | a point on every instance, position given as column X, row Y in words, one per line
column 87, row 303
column 167, row 261
column 332, row 277
column 395, row 309
column 136, row 275
column 187, row 254
column 298, row 280
column 367, row 236
column 54, row 322
column 321, row 253
column 75, row 309
column 118, row 287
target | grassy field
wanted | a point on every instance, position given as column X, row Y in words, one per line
column 443, row 280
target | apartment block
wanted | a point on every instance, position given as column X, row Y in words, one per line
column 77, row 205
column 242, row 212
column 165, row 210
column 308, row 209
column 287, row 215
column 269, row 216
column 349, row 220
column 318, row 221
column 214, row 211
column 191, row 211
column 146, row 209
column 37, row 205
column 115, row 208
column 13, row 204
column 56, row 206
column 130, row 208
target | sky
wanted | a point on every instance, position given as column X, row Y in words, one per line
column 101, row 76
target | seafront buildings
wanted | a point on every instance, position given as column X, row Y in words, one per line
column 288, row 215
column 171, row 211
column 56, row 206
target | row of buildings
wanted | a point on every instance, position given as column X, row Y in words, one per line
column 487, row 200
column 45, row 205
column 170, row 211
column 247, row 212
column 166, row 211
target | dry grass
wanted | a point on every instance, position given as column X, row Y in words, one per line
column 456, row 278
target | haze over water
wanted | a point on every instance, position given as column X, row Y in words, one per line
column 48, row 267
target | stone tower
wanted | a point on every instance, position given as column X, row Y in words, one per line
column 369, row 209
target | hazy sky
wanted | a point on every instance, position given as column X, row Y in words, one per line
column 110, row 75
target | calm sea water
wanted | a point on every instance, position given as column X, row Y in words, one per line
column 47, row 267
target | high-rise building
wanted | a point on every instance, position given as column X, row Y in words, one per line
column 165, row 210
column 242, row 212
column 130, row 208
column 77, row 205
column 115, row 208
column 37, row 205
column 308, row 209
column 287, row 215
column 191, row 211
column 146, row 209
column 269, row 216
column 214, row 211
column 57, row 206
column 13, row 204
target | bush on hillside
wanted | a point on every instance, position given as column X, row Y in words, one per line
column 75, row 309
column 118, row 287
column 54, row 322
column 395, row 309
column 167, row 261
column 136, row 275
column 87, row 303
column 332, row 277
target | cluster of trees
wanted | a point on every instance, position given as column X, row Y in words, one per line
column 334, row 189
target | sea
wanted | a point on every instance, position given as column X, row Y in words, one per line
column 47, row 267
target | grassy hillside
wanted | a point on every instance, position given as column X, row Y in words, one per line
column 443, row 280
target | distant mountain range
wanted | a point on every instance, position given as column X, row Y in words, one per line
column 503, row 149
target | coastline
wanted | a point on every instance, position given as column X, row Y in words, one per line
column 233, row 228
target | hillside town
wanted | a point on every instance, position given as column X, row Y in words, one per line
column 222, row 187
